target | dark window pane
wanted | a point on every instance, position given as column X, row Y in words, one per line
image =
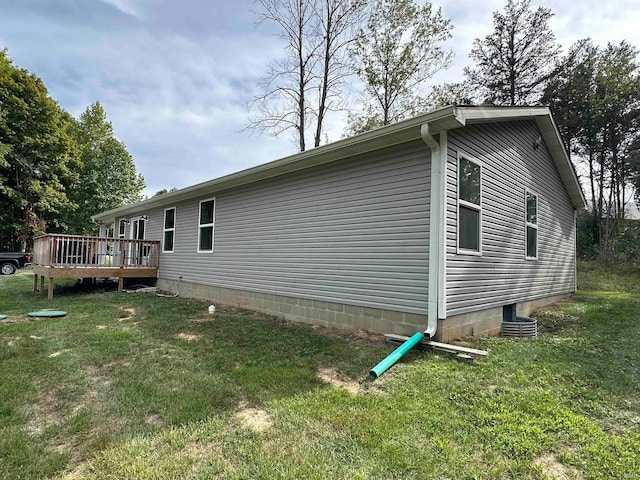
column 532, row 209
column 169, row 218
column 140, row 233
column 206, row 238
column 532, row 242
column 469, row 181
column 469, row 229
column 206, row 212
column 122, row 227
column 168, row 241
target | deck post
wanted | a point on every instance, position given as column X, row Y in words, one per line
column 50, row 293
column 42, row 284
column 35, row 282
column 120, row 284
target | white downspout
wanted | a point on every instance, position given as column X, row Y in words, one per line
column 436, row 300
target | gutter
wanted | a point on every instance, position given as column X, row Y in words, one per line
column 437, row 228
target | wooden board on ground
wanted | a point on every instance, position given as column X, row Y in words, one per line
column 443, row 347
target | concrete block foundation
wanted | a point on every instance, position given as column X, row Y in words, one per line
column 486, row 322
column 316, row 312
column 352, row 317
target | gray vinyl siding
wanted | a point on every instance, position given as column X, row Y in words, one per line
column 354, row 232
column 502, row 275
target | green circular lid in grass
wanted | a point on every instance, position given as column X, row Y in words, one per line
column 48, row 313
column 2, row 317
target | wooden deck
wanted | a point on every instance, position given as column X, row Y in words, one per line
column 76, row 256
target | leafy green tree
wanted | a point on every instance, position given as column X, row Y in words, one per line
column 107, row 175
column 513, row 63
column 596, row 99
column 164, row 190
column 460, row 93
column 397, row 51
column 38, row 156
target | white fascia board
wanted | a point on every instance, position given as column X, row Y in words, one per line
column 548, row 130
column 446, row 118
column 373, row 140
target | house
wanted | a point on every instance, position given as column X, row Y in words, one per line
column 444, row 223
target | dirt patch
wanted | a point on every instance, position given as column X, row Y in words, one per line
column 552, row 468
column 101, row 327
column 47, row 411
column 154, row 419
column 255, row 418
column 117, row 363
column 370, row 337
column 203, row 319
column 35, row 337
column 188, row 336
column 11, row 341
column 58, row 353
column 346, row 334
column 127, row 313
column 333, row 378
column 97, row 379
column 17, row 319
column 77, row 472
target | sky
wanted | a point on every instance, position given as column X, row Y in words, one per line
column 176, row 78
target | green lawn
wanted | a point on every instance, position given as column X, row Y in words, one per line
column 138, row 386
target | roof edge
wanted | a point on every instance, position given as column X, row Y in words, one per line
column 450, row 117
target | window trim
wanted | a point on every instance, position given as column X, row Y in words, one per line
column 472, row 206
column 122, row 222
column 165, row 229
column 135, row 229
column 212, row 225
column 527, row 224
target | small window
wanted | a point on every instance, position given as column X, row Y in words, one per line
column 169, row 230
column 122, row 225
column 205, row 226
column 469, row 206
column 531, row 221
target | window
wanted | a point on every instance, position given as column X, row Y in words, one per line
column 531, row 220
column 169, row 229
column 205, row 225
column 122, row 225
column 469, row 206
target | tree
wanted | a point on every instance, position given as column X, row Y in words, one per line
column 306, row 84
column 459, row 93
column 39, row 156
column 397, row 51
column 164, row 190
column 107, row 176
column 337, row 19
column 513, row 63
column 595, row 96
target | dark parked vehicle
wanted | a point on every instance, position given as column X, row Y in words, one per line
column 11, row 261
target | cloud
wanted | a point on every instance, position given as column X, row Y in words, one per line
column 175, row 77
column 125, row 6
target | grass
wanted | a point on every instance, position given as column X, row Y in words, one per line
column 137, row 386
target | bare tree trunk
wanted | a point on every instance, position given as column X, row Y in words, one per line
column 285, row 105
column 512, row 68
column 600, row 211
column 326, row 64
column 301, row 77
column 592, row 175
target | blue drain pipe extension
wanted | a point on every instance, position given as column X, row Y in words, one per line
column 394, row 356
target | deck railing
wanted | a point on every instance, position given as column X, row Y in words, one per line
column 80, row 251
